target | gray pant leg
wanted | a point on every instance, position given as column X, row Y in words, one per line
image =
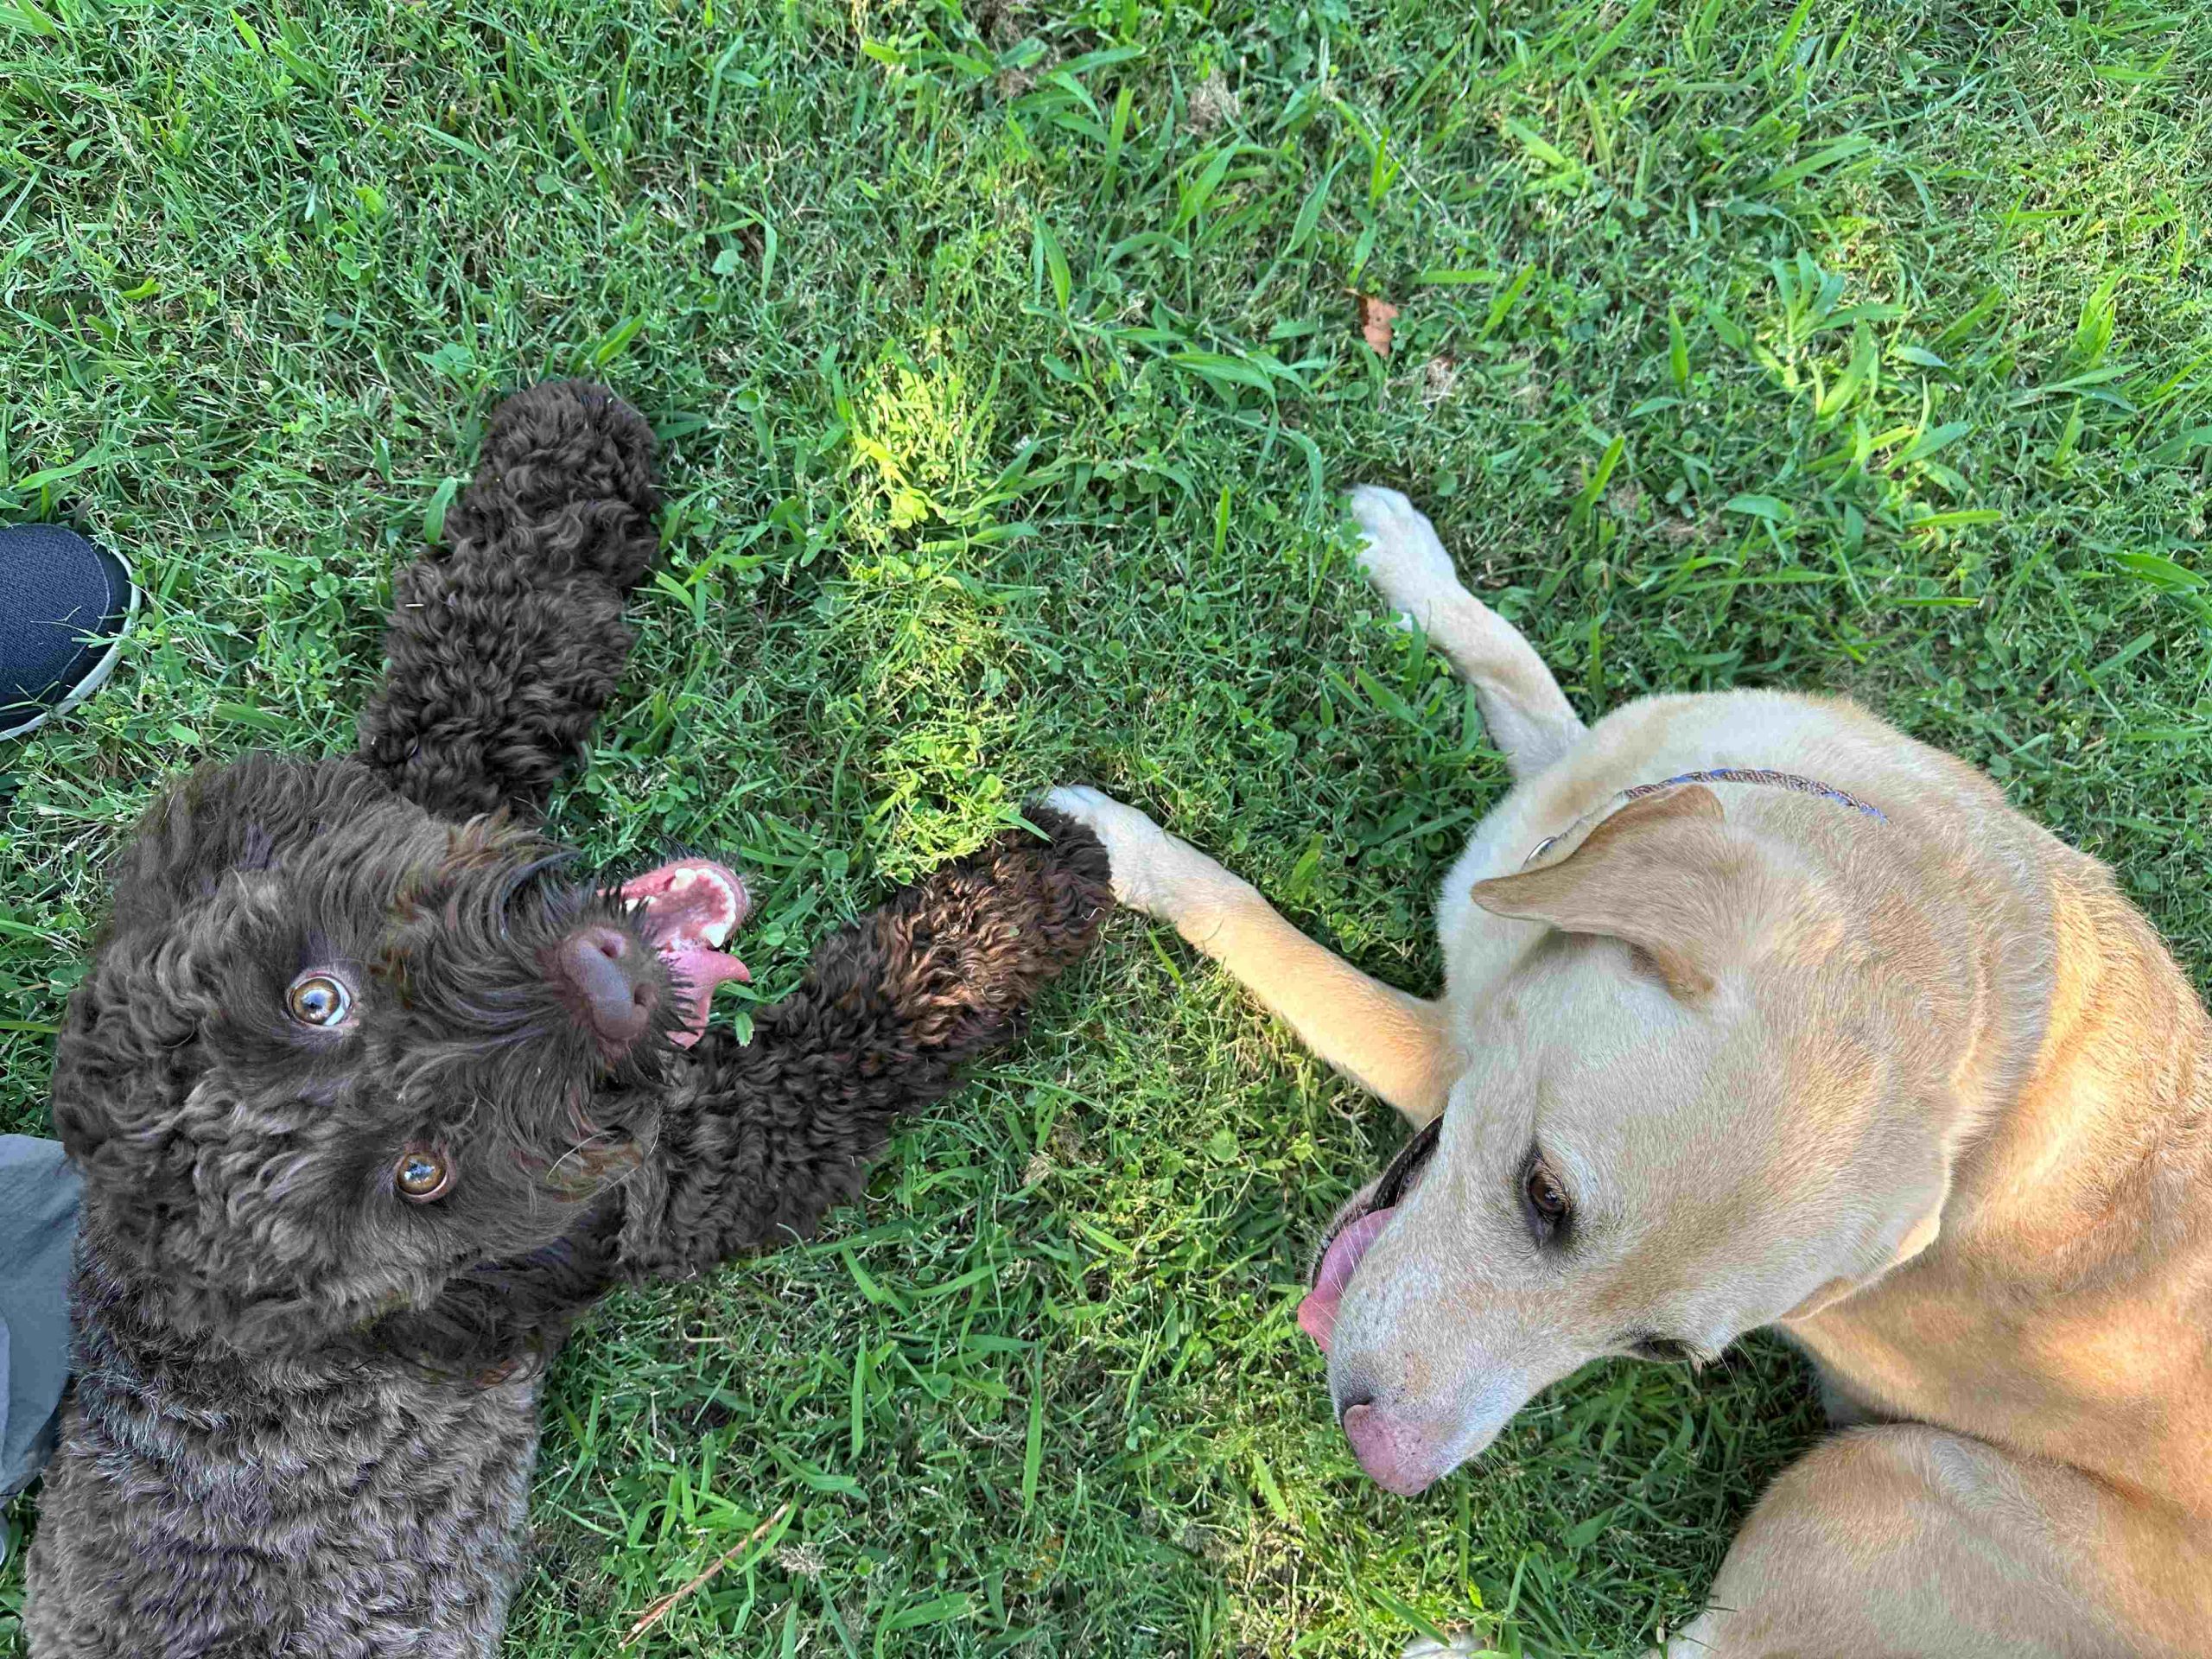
column 38, row 1192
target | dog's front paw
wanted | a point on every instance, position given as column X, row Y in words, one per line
column 1402, row 555
column 1136, row 847
column 565, row 481
column 1459, row 1643
column 1152, row 871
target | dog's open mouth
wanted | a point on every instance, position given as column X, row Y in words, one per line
column 687, row 911
column 1358, row 1224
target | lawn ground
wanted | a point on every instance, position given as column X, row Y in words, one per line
column 1007, row 361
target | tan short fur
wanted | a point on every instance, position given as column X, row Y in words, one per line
column 1928, row 1095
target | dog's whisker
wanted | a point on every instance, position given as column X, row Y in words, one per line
column 577, row 1149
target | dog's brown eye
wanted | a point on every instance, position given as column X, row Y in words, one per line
column 1549, row 1209
column 1543, row 1194
column 422, row 1175
column 319, row 999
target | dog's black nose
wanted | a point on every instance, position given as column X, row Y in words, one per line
column 598, row 966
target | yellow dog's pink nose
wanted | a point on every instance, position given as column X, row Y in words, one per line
column 1398, row 1455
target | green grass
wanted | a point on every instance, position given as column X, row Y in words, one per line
column 1007, row 363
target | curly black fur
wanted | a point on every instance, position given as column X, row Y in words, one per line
column 504, row 647
column 306, row 1408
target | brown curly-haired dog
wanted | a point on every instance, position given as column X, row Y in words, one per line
column 372, row 1101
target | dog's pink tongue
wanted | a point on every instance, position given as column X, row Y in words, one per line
column 690, row 907
column 1317, row 1314
column 696, row 971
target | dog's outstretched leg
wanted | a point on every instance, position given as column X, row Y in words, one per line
column 504, row 645
column 759, row 1140
column 1528, row 717
column 1382, row 1038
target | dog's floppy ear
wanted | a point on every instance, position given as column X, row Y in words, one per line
column 239, row 816
column 1655, row 875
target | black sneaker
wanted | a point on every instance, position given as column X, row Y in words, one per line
column 64, row 604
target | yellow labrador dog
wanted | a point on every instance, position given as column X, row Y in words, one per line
column 1758, row 1013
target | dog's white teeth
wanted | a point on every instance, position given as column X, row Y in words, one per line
column 716, row 932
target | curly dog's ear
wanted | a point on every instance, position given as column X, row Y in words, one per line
column 237, row 817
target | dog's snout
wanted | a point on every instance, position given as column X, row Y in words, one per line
column 603, row 967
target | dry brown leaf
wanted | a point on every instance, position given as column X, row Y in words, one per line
column 1375, row 316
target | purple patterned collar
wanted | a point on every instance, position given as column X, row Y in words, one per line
column 1789, row 780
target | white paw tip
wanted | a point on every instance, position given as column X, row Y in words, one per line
column 1372, row 506
column 1072, row 797
column 1428, row 1647
column 1378, row 495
